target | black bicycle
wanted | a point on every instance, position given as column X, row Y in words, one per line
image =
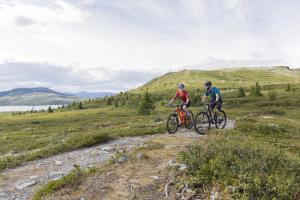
column 204, row 119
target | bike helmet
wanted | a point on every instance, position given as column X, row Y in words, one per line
column 207, row 84
column 181, row 86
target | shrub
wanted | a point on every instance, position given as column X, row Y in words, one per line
column 242, row 168
column 241, row 92
column 288, row 87
column 256, row 90
column 272, row 95
column 147, row 105
column 74, row 179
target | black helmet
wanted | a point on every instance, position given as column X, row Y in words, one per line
column 207, row 84
column 181, row 86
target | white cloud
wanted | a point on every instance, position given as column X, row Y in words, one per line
column 97, row 37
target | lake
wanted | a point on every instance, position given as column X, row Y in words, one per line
column 25, row 108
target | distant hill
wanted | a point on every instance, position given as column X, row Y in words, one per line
column 222, row 78
column 34, row 96
column 92, row 95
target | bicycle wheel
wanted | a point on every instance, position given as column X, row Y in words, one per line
column 202, row 122
column 172, row 124
column 220, row 119
column 189, row 120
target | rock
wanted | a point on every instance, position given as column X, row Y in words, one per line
column 33, row 177
column 171, row 163
column 4, row 196
column 82, row 198
column 155, row 177
column 25, row 185
column 140, row 156
column 130, row 147
column 214, row 195
column 123, row 159
column 182, row 167
column 157, row 119
column 55, row 175
column 108, row 149
column 57, row 162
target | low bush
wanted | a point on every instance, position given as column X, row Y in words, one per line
column 73, row 179
column 272, row 95
column 242, row 168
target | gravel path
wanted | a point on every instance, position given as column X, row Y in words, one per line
column 21, row 182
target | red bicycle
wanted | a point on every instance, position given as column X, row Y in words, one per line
column 181, row 116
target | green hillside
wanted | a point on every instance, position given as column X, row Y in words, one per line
column 223, row 78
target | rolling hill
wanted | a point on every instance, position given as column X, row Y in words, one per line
column 223, row 78
column 34, row 96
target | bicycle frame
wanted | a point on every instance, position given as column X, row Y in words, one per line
column 209, row 111
column 181, row 113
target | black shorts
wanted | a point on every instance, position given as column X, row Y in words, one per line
column 187, row 105
column 216, row 103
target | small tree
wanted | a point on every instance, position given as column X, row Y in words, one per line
column 288, row 87
column 256, row 90
column 116, row 103
column 147, row 105
column 241, row 92
column 50, row 110
column 109, row 101
column 80, row 106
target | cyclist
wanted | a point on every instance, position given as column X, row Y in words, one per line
column 215, row 96
column 185, row 99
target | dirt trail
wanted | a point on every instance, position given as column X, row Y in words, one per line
column 21, row 182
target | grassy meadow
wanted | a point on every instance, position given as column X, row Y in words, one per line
column 260, row 158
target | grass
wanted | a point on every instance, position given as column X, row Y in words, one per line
column 260, row 159
column 38, row 135
column 73, row 180
column 242, row 168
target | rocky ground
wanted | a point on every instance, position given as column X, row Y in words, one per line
column 143, row 178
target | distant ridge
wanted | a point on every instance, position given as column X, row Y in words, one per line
column 87, row 95
column 34, row 96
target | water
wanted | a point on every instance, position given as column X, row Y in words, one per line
column 25, row 108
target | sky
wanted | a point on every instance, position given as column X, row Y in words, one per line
column 116, row 45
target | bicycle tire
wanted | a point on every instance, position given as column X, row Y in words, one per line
column 188, row 126
column 206, row 124
column 218, row 126
column 171, row 119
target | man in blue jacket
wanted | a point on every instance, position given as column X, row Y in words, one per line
column 215, row 96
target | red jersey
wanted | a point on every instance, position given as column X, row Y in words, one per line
column 184, row 96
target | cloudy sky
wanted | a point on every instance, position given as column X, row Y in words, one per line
column 114, row 45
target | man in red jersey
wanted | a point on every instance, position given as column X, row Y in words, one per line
column 185, row 99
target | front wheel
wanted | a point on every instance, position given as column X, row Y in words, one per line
column 172, row 124
column 220, row 119
column 189, row 120
column 202, row 122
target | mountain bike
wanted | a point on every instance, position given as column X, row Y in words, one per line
column 181, row 116
column 204, row 119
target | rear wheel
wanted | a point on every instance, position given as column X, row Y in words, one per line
column 189, row 120
column 172, row 124
column 202, row 123
column 220, row 119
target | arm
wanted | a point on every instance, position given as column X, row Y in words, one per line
column 217, row 97
column 203, row 98
column 187, row 98
column 174, row 98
